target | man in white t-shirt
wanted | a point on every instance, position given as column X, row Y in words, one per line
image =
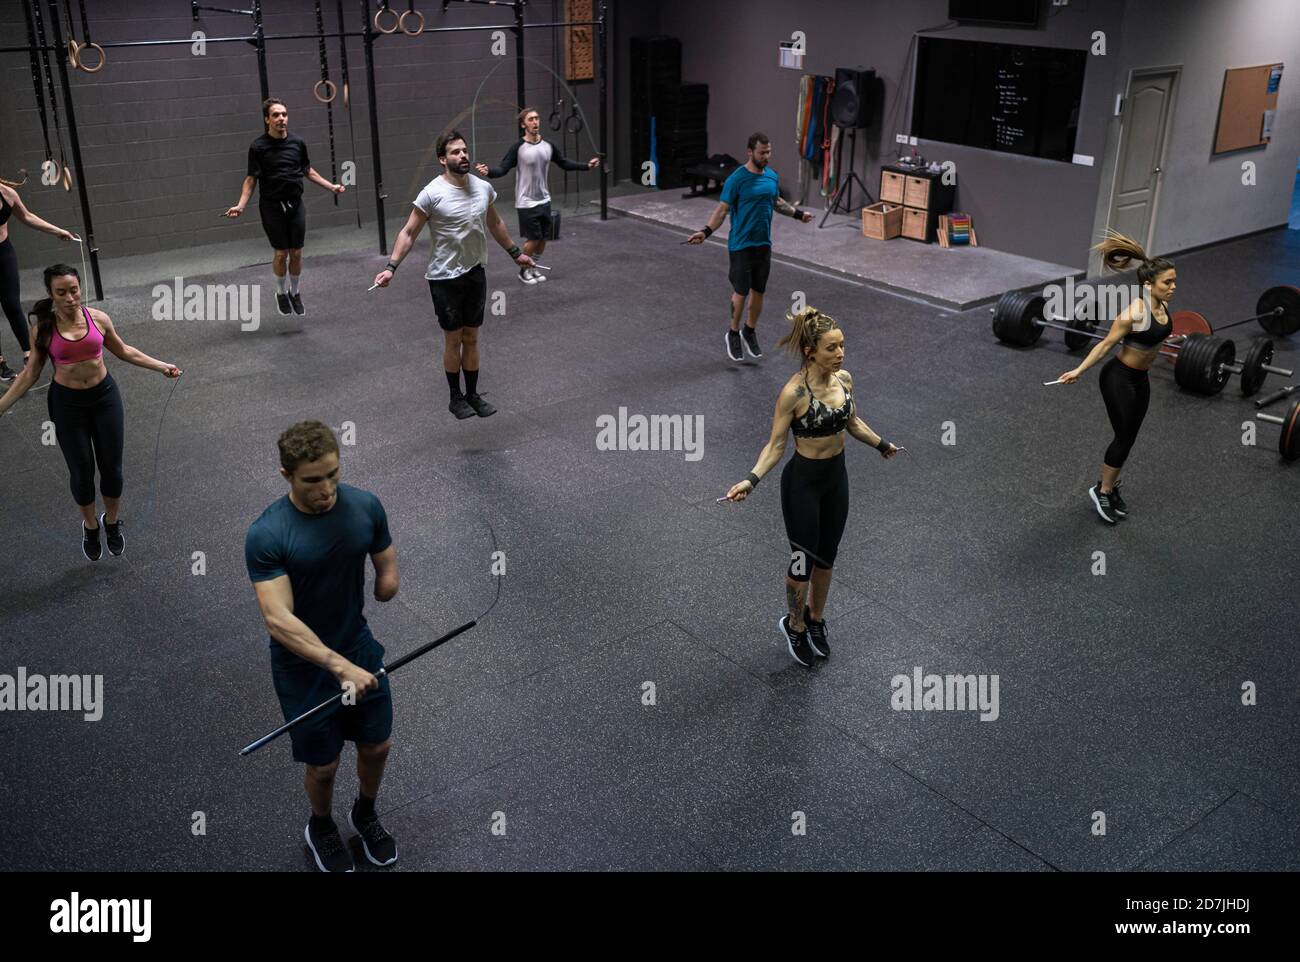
column 458, row 209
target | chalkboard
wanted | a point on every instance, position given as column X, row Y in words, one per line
column 995, row 96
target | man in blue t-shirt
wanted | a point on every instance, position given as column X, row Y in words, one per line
column 306, row 557
column 750, row 194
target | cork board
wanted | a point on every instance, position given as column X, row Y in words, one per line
column 1248, row 92
column 579, row 42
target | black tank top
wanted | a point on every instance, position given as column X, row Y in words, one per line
column 5, row 208
column 819, row 421
column 1153, row 335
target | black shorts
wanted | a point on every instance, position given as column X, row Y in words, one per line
column 285, row 222
column 749, row 269
column 535, row 222
column 300, row 685
column 459, row 302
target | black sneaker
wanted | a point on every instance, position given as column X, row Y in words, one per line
column 800, row 650
column 296, row 301
column 1117, row 503
column 379, row 846
column 116, row 540
column 90, row 545
column 6, row 374
column 327, row 849
column 733, row 346
column 282, row 304
column 482, row 408
column 460, row 407
column 1103, row 503
column 817, row 635
column 750, row 337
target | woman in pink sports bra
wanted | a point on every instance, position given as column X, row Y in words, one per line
column 84, row 401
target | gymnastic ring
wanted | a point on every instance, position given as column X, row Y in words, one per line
column 557, row 120
column 401, row 22
column 330, row 88
column 67, row 179
column 397, row 19
column 347, row 102
column 103, row 59
column 574, row 124
column 72, row 53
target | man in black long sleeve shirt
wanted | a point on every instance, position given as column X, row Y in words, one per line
column 533, row 156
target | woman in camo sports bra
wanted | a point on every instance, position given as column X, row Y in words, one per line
column 816, row 406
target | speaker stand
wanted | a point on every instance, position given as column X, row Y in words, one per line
column 844, row 192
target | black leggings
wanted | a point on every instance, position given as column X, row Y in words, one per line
column 9, row 301
column 1127, row 392
column 90, row 426
column 815, row 505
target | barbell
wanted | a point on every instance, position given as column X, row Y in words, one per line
column 1203, row 363
column 1288, row 443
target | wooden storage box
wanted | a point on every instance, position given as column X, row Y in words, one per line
column 916, row 191
column 892, row 186
column 882, row 220
column 919, row 224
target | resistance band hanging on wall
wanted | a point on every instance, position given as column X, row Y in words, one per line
column 54, row 102
column 50, row 170
column 324, row 91
column 347, row 102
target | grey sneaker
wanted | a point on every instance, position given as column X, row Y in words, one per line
column 460, row 407
column 526, row 276
column 1103, row 504
column 482, row 408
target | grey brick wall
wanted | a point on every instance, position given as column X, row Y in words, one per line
column 164, row 133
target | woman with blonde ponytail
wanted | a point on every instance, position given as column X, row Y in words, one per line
column 816, row 406
column 1125, row 385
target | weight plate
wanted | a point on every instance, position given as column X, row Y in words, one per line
column 1288, row 299
column 1253, row 374
column 1224, row 353
column 1013, row 318
column 1288, row 445
column 1187, row 366
column 1188, row 322
column 1073, row 340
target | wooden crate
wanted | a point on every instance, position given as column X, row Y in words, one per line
column 579, row 42
column 916, row 191
column 882, row 220
column 916, row 223
column 892, row 186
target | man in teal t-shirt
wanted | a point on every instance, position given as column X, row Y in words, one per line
column 751, row 193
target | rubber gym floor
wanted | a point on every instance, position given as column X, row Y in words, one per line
column 1119, row 693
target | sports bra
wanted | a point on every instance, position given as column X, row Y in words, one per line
column 85, row 348
column 5, row 208
column 1153, row 335
column 819, row 421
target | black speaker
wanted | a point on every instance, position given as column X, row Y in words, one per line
column 851, row 102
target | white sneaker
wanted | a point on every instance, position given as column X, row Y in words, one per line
column 526, row 276
column 538, row 276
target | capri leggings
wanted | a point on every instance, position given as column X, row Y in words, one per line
column 815, row 504
column 1127, row 392
column 89, row 424
column 9, row 301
